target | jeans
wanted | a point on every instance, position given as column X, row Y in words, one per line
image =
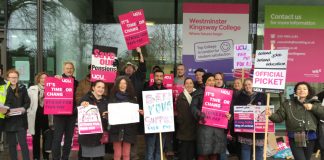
column 152, row 142
column 246, row 152
column 12, row 137
column 302, row 153
column 63, row 125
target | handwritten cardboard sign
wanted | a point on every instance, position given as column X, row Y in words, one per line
column 158, row 111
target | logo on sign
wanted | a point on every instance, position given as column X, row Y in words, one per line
column 97, row 76
column 167, row 77
column 67, row 80
column 226, row 92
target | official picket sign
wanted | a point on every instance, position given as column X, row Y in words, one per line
column 58, row 98
column 251, row 118
column 216, row 104
column 158, row 111
column 270, row 71
column 102, row 64
column 89, row 120
column 123, row 113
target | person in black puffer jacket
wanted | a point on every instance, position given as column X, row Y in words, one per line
column 123, row 135
column 16, row 118
column 90, row 143
column 249, row 97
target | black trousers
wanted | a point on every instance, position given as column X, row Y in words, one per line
column 302, row 153
column 12, row 138
column 186, row 150
column 41, row 125
column 63, row 125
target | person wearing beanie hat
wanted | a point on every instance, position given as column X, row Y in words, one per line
column 137, row 76
column 210, row 140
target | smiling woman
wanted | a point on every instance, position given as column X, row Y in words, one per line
column 300, row 115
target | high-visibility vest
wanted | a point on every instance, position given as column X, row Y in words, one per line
column 3, row 95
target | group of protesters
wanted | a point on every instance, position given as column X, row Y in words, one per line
column 191, row 140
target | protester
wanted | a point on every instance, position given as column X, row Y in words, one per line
column 249, row 97
column 64, row 124
column 321, row 126
column 152, row 140
column 16, row 121
column 210, row 140
column 137, row 77
column 38, row 122
column 123, row 135
column 199, row 72
column 186, row 123
column 219, row 80
column 300, row 115
column 180, row 77
column 233, row 146
column 3, row 93
column 220, row 83
column 237, row 87
column 91, row 144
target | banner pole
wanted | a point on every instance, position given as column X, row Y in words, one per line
column 161, row 146
column 266, row 129
column 242, row 75
column 254, row 144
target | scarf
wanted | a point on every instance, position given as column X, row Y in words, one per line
column 123, row 97
column 40, row 95
column 187, row 95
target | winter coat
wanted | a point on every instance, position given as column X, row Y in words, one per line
column 186, row 122
column 244, row 99
column 94, row 139
column 123, row 132
column 33, row 93
column 18, row 122
column 294, row 113
column 83, row 88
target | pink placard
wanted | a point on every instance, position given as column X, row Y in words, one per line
column 167, row 81
column 89, row 121
column 134, row 28
column 58, row 96
column 102, row 67
column 216, row 104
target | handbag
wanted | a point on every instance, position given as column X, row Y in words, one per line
column 321, row 134
column 104, row 138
